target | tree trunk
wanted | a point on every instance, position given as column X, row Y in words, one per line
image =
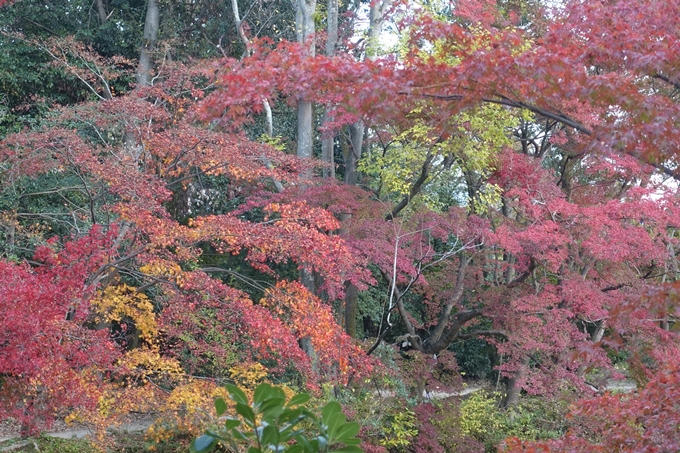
column 327, row 144
column 351, row 300
column 305, row 144
column 309, row 282
column 356, row 143
column 328, row 148
column 101, row 11
column 514, row 387
column 376, row 19
column 304, row 27
column 151, row 26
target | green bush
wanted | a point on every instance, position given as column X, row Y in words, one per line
column 480, row 417
column 400, row 430
column 474, row 358
column 536, row 418
column 271, row 423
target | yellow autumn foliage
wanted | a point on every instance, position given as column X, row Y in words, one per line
column 119, row 302
column 164, row 270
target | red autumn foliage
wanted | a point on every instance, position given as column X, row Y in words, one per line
column 574, row 247
column 48, row 353
column 158, row 155
column 580, row 244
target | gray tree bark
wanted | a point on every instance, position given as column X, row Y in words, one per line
column 101, row 11
column 327, row 144
column 514, row 387
column 151, row 26
column 304, row 27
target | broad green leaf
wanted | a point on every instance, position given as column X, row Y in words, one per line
column 203, row 443
column 240, row 435
column 335, row 422
column 295, row 449
column 350, row 449
column 220, row 406
column 288, row 415
column 328, row 410
column 270, row 435
column 316, row 446
column 230, row 423
column 351, row 441
column 246, row 412
column 300, row 398
column 272, row 408
column 237, row 394
column 322, row 442
column 262, row 393
column 304, row 443
column 346, row 431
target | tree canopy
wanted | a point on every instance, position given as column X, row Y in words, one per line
column 205, row 189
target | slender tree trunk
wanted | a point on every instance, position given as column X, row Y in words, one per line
column 304, row 25
column 151, row 26
column 305, row 29
column 101, row 11
column 327, row 144
column 305, row 144
column 328, row 147
column 351, row 302
column 376, row 20
column 514, row 387
column 269, row 119
column 356, row 143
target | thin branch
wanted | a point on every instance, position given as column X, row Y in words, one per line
column 415, row 188
column 667, row 80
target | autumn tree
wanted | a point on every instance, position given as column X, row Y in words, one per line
column 544, row 271
column 152, row 288
column 520, row 186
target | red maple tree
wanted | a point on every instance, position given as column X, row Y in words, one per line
column 572, row 240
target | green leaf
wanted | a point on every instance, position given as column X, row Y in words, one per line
column 304, row 443
column 220, row 406
column 272, row 408
column 246, row 412
column 203, row 443
column 300, row 398
column 237, row 394
column 239, row 435
column 347, row 431
column 322, row 442
column 254, row 450
column 335, row 422
column 231, row 423
column 328, row 410
column 288, row 415
column 270, row 435
column 262, row 393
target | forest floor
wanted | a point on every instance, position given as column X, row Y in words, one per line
column 10, row 430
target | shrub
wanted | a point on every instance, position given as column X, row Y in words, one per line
column 439, row 429
column 479, row 416
column 273, row 423
column 400, row 430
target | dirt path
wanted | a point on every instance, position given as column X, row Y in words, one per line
column 80, row 432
